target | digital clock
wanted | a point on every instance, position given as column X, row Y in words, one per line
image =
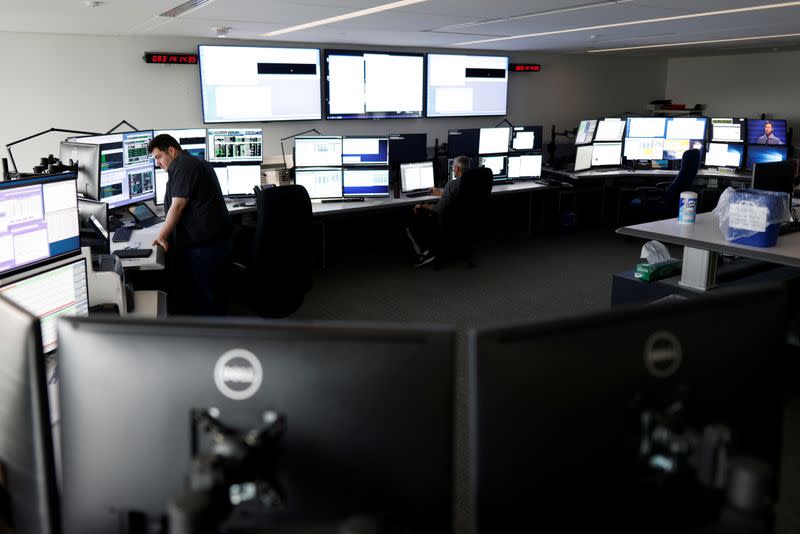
column 525, row 67
column 170, row 58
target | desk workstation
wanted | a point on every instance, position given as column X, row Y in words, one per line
column 407, row 286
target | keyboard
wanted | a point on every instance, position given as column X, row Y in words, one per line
column 347, row 199
column 127, row 253
column 412, row 194
column 122, row 234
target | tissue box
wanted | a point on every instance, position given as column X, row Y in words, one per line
column 650, row 272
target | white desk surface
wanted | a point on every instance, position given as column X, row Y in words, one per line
column 143, row 239
column 705, row 234
column 644, row 173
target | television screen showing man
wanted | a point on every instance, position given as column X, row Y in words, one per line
column 767, row 132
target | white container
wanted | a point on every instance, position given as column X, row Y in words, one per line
column 687, row 209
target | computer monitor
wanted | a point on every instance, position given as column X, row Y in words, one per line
column 222, row 178
column 192, row 140
column 318, row 151
column 365, row 182
column 259, row 84
column 583, row 157
column 526, row 137
column 87, row 157
column 26, row 446
column 494, row 140
column 640, row 148
column 50, row 292
column 320, row 183
column 585, row 133
column 765, row 154
column 779, row 176
column 567, row 415
column 460, row 86
column 728, row 130
column 365, row 151
column 527, row 166
column 606, row 154
column 235, row 145
column 38, row 221
column 766, row 132
column 463, row 142
column 127, row 172
column 497, row 164
column 725, row 155
column 369, row 415
column 691, row 128
column 416, row 176
column 610, row 130
column 674, row 148
column 161, row 186
column 408, row 148
column 651, row 127
column 242, row 179
column 93, row 216
column 373, row 85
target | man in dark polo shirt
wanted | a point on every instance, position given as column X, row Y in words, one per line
column 197, row 231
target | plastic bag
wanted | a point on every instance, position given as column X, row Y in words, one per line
column 744, row 213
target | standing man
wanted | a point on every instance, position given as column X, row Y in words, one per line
column 426, row 219
column 197, row 231
column 769, row 138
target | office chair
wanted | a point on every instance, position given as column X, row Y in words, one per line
column 277, row 274
column 458, row 224
column 661, row 201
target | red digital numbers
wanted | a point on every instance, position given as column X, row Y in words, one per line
column 170, row 59
column 526, row 67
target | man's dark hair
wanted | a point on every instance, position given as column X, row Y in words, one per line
column 770, row 123
column 163, row 142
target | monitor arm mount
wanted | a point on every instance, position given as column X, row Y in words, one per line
column 18, row 141
column 120, row 123
column 237, row 472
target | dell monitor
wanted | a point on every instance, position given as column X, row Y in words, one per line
column 127, row 172
column 729, row 155
column 369, row 415
column 87, row 157
column 416, row 176
column 728, row 130
column 527, row 166
column 779, row 176
column 373, row 85
column 50, row 292
column 493, row 140
column 585, row 133
column 323, row 183
column 38, row 221
column 26, row 446
column 463, row 142
column 365, row 182
column 765, row 154
column 461, row 86
column 608, row 421
column 408, row 148
column 365, row 151
column 318, row 151
column 259, row 84
column 766, row 132
column 526, row 138
column 235, row 145
column 609, row 130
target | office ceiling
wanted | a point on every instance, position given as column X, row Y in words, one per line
column 435, row 23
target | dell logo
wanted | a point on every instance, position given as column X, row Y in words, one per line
column 662, row 354
column 238, row 374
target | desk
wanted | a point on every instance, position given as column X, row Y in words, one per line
column 703, row 241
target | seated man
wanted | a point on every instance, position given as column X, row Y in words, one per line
column 424, row 225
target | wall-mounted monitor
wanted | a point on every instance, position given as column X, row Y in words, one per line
column 259, row 84
column 127, row 172
column 460, row 86
column 373, row 85
column 766, row 132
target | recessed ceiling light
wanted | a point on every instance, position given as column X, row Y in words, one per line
column 638, row 22
column 352, row 15
column 689, row 43
column 222, row 31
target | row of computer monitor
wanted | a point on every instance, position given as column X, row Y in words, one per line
column 497, row 140
column 585, row 408
column 727, row 142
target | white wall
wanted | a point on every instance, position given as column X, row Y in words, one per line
column 92, row 82
column 739, row 85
